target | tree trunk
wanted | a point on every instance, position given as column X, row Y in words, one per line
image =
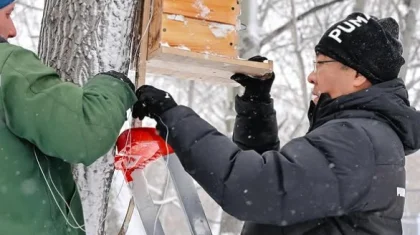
column 299, row 56
column 248, row 47
column 80, row 38
column 408, row 32
column 359, row 6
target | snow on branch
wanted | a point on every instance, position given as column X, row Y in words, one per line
column 284, row 27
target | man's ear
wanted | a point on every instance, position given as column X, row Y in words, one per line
column 361, row 81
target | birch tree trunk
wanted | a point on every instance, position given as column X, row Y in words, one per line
column 80, row 38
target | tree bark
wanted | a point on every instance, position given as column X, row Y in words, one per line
column 408, row 32
column 299, row 56
column 80, row 38
column 248, row 47
column 359, row 6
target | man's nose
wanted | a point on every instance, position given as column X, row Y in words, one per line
column 12, row 31
column 312, row 77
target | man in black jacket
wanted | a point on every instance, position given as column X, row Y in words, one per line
column 345, row 176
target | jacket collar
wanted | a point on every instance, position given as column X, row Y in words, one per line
column 386, row 102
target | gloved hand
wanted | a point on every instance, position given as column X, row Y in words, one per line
column 256, row 88
column 152, row 102
column 121, row 77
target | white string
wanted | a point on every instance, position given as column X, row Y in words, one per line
column 77, row 226
column 64, row 200
column 121, row 187
column 62, row 197
column 147, row 27
column 166, row 164
column 81, row 227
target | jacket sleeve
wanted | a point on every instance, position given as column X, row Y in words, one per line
column 63, row 120
column 300, row 182
column 255, row 126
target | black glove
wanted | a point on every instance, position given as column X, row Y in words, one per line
column 121, row 77
column 152, row 102
column 256, row 88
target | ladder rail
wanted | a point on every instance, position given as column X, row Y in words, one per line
column 144, row 204
column 188, row 196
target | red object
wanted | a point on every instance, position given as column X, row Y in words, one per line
column 138, row 146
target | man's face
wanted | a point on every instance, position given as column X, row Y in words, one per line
column 7, row 28
column 332, row 77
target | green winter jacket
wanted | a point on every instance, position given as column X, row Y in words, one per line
column 55, row 123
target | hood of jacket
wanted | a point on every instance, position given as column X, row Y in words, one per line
column 387, row 102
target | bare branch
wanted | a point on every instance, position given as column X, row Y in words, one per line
column 298, row 126
column 395, row 5
column 416, row 101
column 29, row 6
column 414, row 66
column 412, row 83
column 277, row 47
column 282, row 123
column 284, row 27
column 264, row 10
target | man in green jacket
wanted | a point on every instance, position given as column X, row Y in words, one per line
column 45, row 126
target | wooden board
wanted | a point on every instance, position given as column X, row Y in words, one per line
column 155, row 27
column 196, row 66
column 199, row 36
column 144, row 32
column 222, row 11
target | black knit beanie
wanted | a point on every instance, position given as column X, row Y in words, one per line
column 367, row 44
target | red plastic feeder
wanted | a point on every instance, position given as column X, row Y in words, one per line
column 138, row 146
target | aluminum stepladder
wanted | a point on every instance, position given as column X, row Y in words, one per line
column 182, row 182
column 186, row 192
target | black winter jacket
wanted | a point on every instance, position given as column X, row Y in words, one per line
column 345, row 176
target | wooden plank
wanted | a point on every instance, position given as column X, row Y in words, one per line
column 155, row 27
column 196, row 66
column 144, row 32
column 155, row 68
column 199, row 36
column 140, row 79
column 222, row 11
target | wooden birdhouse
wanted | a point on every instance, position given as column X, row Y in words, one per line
column 195, row 39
